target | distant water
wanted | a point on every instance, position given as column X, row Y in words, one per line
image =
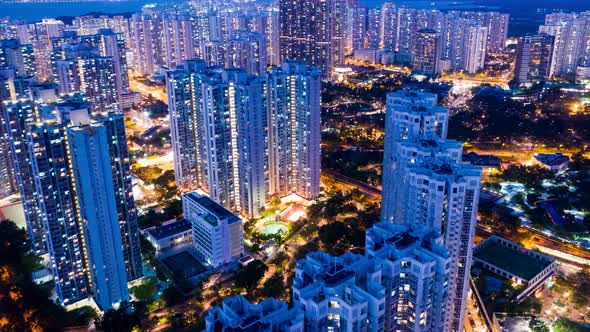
column 31, row 12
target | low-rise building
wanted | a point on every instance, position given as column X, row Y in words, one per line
column 217, row 233
column 170, row 234
column 488, row 163
column 130, row 100
column 555, row 162
column 524, row 266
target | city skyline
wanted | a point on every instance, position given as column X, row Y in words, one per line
column 296, row 165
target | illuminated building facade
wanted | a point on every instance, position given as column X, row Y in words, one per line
column 218, row 237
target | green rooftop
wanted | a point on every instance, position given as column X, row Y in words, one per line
column 520, row 264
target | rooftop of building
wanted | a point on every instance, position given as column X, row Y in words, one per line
column 513, row 260
column 482, row 160
column 445, row 168
column 336, row 275
column 402, row 240
column 238, row 314
column 394, row 241
column 552, row 159
column 177, row 227
column 216, row 210
column 514, row 323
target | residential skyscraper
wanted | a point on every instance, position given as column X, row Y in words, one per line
column 114, row 125
column 443, row 195
column 407, row 153
column 410, row 116
column 426, row 51
column 234, row 110
column 58, row 210
column 161, row 41
column 96, row 200
column 373, row 29
column 497, row 25
column 357, row 27
column 311, row 40
column 111, row 44
column 247, row 51
column 9, row 91
column 183, row 86
column 571, row 41
column 477, row 40
column 18, row 116
column 73, row 174
column 21, row 57
column 294, row 130
column 39, row 35
column 533, row 58
column 414, row 114
column 218, row 237
column 388, row 26
column 426, row 186
column 415, row 273
column 81, row 68
column 218, row 124
column 400, row 283
column 267, row 316
column 235, row 135
column 404, row 35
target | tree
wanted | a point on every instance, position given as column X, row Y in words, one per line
column 82, row 316
column 249, row 276
column 306, row 249
column 146, row 291
column 530, row 176
column 274, row 286
column 331, row 234
column 24, row 306
column 564, row 325
column 538, row 325
column 124, row 319
column 147, row 174
column 172, row 296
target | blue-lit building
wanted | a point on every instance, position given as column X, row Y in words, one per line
column 237, row 314
column 75, row 183
column 170, row 234
column 114, row 124
column 56, row 198
column 90, row 161
column 17, row 117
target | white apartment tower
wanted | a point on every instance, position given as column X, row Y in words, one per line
column 426, row 186
column 477, row 41
column 234, row 110
column 409, row 115
column 183, row 86
column 217, row 125
column 443, row 195
column 218, row 237
column 239, row 137
column 400, row 284
column 415, row 274
column 294, row 94
column 571, row 33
